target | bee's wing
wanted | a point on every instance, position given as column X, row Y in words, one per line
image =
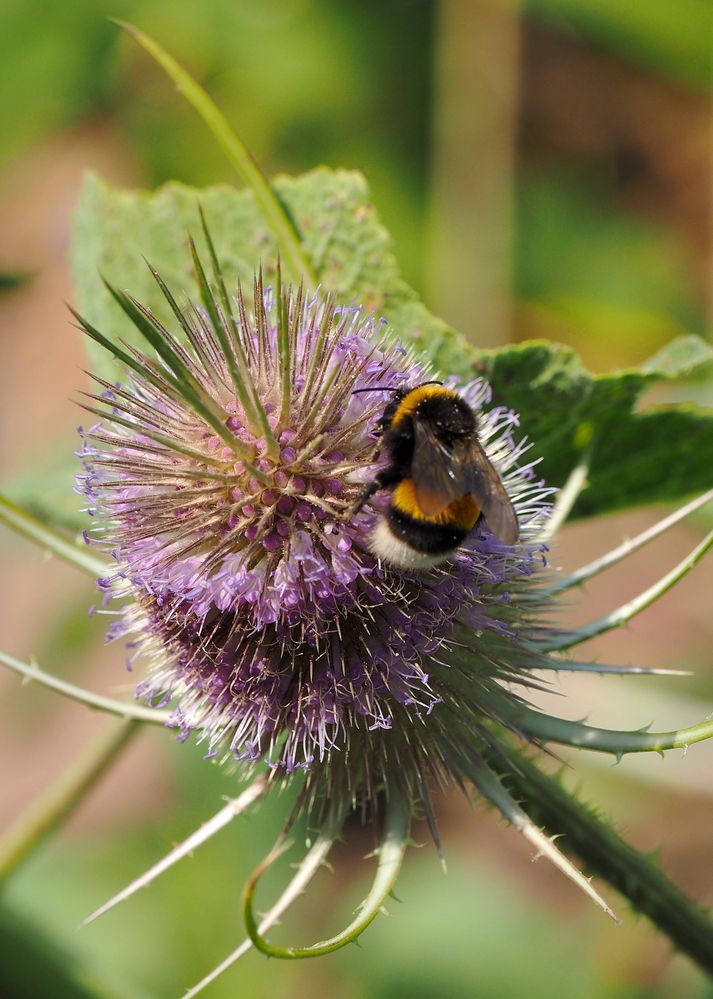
column 434, row 471
column 482, row 482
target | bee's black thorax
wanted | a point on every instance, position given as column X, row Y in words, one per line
column 449, row 416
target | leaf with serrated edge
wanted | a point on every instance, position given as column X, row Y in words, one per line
column 351, row 250
column 662, row 453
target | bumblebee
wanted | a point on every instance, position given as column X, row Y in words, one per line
column 442, row 481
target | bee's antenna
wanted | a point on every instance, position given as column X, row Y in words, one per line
column 395, row 388
column 378, row 388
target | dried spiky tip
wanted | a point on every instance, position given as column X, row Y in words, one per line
column 221, row 470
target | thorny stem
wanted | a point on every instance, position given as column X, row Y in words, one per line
column 22, row 522
column 49, row 812
column 567, row 639
column 604, row 853
column 125, row 710
column 391, row 853
column 601, row 740
column 490, row 786
column 234, row 807
column 622, row 551
column 275, row 215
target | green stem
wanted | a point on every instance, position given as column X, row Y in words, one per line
column 275, row 215
column 601, row 740
column 22, row 522
column 605, row 854
column 391, row 853
column 622, row 551
column 623, row 614
column 124, row 710
column 50, row 811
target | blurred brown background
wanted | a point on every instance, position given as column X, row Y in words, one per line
column 545, row 169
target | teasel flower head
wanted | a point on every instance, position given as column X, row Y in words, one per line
column 222, row 477
column 222, row 474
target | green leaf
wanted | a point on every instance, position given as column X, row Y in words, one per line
column 638, row 457
column 349, row 247
column 659, row 454
column 679, row 358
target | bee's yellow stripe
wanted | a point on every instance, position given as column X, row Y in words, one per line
column 415, row 397
column 462, row 513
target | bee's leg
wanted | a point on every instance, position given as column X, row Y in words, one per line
column 386, row 477
column 364, row 494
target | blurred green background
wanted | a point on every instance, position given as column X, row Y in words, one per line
column 545, row 169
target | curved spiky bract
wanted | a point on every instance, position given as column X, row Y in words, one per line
column 628, row 547
column 542, row 726
column 31, row 673
column 50, row 539
column 594, row 841
column 390, row 856
column 491, row 787
column 628, row 610
column 315, row 857
column 234, row 807
column 273, row 211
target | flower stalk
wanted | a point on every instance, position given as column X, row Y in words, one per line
column 50, row 810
